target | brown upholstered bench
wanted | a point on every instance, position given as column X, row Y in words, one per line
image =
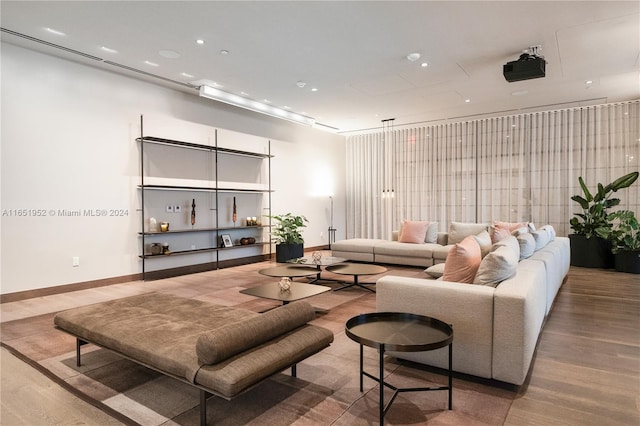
column 221, row 350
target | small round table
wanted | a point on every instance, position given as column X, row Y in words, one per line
column 356, row 269
column 288, row 271
column 402, row 332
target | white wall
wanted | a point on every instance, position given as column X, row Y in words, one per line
column 68, row 134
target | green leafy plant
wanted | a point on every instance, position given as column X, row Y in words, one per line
column 287, row 228
column 595, row 208
column 624, row 234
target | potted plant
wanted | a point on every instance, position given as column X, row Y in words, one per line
column 587, row 247
column 624, row 236
column 288, row 239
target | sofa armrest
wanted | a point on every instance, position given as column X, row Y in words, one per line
column 468, row 308
column 519, row 311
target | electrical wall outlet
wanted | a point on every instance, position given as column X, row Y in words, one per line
column 169, row 209
column 75, row 261
column 177, row 209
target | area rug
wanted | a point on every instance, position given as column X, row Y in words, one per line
column 325, row 391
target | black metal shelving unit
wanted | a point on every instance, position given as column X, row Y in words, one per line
column 212, row 187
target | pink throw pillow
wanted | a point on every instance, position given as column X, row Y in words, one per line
column 509, row 226
column 463, row 261
column 499, row 233
column 413, row 231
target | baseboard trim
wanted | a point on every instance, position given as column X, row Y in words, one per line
column 149, row 275
column 66, row 288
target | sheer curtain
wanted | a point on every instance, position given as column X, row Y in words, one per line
column 514, row 168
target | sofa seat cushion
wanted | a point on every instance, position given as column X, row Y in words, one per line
column 395, row 248
column 440, row 253
column 360, row 245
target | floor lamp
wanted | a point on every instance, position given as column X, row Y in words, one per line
column 332, row 230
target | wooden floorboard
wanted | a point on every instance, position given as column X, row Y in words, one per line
column 587, row 366
column 586, row 370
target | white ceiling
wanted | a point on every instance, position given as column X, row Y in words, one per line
column 354, row 52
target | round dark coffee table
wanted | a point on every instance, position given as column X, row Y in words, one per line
column 356, row 269
column 401, row 332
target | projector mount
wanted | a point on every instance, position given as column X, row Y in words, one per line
column 531, row 53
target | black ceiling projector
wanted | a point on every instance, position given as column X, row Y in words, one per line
column 526, row 67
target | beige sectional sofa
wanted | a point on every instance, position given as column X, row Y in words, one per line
column 431, row 252
column 496, row 329
column 393, row 251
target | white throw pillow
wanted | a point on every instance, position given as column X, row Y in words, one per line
column 458, row 231
column 497, row 266
column 436, row 271
column 550, row 230
column 511, row 242
column 432, row 233
column 527, row 245
column 542, row 238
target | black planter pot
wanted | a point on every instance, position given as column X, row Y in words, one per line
column 594, row 252
column 628, row 261
column 286, row 252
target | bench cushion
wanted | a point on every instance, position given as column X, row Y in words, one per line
column 160, row 331
column 236, row 337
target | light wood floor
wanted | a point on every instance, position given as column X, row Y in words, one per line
column 586, row 370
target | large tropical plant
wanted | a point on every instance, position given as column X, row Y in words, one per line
column 595, row 207
column 624, row 234
column 287, row 228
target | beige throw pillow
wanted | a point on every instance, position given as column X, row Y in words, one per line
column 484, row 241
column 497, row 266
column 458, row 231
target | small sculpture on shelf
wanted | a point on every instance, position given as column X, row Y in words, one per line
column 234, row 217
column 193, row 212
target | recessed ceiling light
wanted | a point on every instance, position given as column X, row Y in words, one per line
column 56, row 32
column 588, row 82
column 169, row 54
column 301, row 84
column 108, row 49
column 424, row 65
column 315, row 89
column 467, row 100
column 413, row 56
column 200, row 41
column 224, row 52
column 153, row 64
column 184, row 74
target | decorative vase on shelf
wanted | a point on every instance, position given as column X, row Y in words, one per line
column 234, row 217
column 153, row 224
column 284, row 284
